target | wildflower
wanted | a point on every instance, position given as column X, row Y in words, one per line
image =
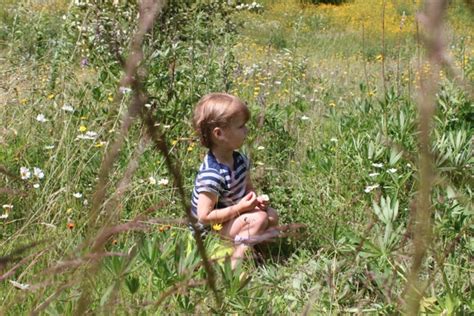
column 373, row 174
column 164, row 228
column 36, row 185
column 379, row 57
column 148, row 105
column 69, row 211
column 190, row 148
column 82, row 128
column 77, row 195
column 70, row 225
column 152, row 180
column 333, row 140
column 51, row 96
column 7, row 207
column 84, row 62
column 23, row 101
column 304, row 118
column 37, row 172
column 88, row 135
column 99, row 144
column 217, row 227
column 85, row 203
column 49, row 147
column 260, row 148
column 332, row 104
column 110, row 98
column 377, row 165
column 370, row 188
column 4, row 216
column 163, row 181
column 125, row 90
column 25, row 173
column 41, row 118
column 392, row 170
column 174, row 142
column 19, row 285
column 67, row 108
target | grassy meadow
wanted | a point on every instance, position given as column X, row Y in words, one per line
column 334, row 92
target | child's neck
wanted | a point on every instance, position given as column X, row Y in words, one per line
column 224, row 155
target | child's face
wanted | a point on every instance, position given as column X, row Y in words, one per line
column 233, row 136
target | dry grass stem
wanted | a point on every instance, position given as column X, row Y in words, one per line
column 432, row 21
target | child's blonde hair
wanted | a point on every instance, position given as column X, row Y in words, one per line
column 216, row 110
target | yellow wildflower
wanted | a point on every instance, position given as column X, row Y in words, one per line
column 82, row 129
column 174, row 142
column 51, row 96
column 217, row 226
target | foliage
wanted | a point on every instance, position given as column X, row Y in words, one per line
column 332, row 145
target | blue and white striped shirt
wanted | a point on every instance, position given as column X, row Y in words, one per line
column 229, row 185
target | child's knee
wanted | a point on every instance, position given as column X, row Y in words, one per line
column 272, row 217
column 257, row 218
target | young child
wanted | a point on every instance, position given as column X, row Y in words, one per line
column 223, row 192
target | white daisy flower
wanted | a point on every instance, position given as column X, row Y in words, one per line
column 25, row 173
column 36, row 185
column 88, row 135
column 377, row 165
column 4, row 216
column 163, row 181
column 37, row 172
column 152, row 180
column 19, row 285
column 125, row 90
column 370, row 188
column 8, row 207
column 392, row 170
column 41, row 118
column 49, row 147
column 304, row 118
column 260, row 148
column 373, row 174
column 67, row 108
column 77, row 195
column 333, row 140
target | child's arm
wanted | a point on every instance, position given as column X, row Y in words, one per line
column 207, row 214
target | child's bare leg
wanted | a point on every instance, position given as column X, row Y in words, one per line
column 272, row 217
column 244, row 227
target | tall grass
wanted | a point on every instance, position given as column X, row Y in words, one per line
column 329, row 146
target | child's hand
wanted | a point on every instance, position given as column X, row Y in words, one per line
column 248, row 202
column 263, row 202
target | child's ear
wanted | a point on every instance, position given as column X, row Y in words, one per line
column 217, row 132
